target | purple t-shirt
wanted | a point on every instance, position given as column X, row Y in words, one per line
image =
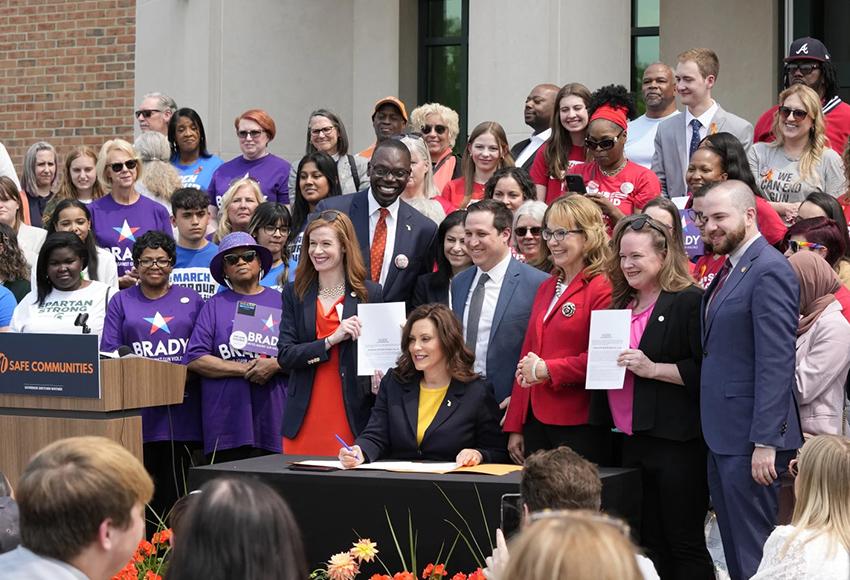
column 270, row 171
column 117, row 227
column 158, row 329
column 234, row 411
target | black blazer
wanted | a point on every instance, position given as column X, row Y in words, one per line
column 428, row 290
column 517, row 149
column 467, row 419
column 672, row 335
column 299, row 351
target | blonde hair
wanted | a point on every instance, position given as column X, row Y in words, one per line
column 579, row 545
column 449, row 117
column 575, row 211
column 813, row 153
column 705, row 59
column 823, row 491
column 71, row 486
column 224, row 225
column 161, row 179
column 674, row 275
column 417, row 147
column 115, row 145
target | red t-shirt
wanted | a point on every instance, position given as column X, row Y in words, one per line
column 707, row 268
column 630, row 189
column 540, row 172
column 837, row 122
column 454, row 191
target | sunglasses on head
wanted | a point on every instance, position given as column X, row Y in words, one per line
column 637, row 223
column 233, row 259
column 129, row 164
column 522, row 231
column 799, row 114
column 329, row 215
column 439, row 129
column 604, row 144
column 146, row 113
column 796, row 246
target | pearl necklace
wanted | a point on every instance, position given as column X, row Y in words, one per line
column 559, row 287
column 614, row 172
column 333, row 291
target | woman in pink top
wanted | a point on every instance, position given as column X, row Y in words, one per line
column 658, row 406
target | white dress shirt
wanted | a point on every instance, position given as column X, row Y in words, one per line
column 392, row 223
column 533, row 145
column 492, row 288
column 704, row 119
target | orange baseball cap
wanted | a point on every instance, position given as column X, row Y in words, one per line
column 395, row 101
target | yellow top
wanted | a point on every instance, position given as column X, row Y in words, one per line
column 429, row 403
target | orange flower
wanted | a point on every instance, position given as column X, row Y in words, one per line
column 404, row 576
column 151, row 575
column 431, row 570
column 342, row 566
column 459, row 576
column 162, row 537
column 146, row 548
column 477, row 575
column 380, row 577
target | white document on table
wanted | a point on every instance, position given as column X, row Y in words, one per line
column 379, row 345
column 609, row 336
column 396, row 466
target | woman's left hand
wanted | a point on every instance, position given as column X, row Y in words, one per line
column 260, row 370
column 637, row 362
column 469, row 457
column 525, row 369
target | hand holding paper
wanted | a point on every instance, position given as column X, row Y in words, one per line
column 609, row 336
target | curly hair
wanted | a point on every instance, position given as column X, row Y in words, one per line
column 616, row 96
column 459, row 358
column 449, row 117
column 13, row 264
column 518, row 174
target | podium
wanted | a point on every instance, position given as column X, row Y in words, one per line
column 29, row 422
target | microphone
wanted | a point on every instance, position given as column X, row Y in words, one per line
column 82, row 319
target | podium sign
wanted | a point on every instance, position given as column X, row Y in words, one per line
column 68, row 368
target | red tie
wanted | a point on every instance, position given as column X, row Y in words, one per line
column 379, row 244
column 722, row 275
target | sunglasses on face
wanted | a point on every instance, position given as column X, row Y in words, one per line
column 252, row 134
column 522, row 231
column 804, row 68
column 604, row 144
column 796, row 246
column 799, row 114
column 439, row 129
column 247, row 257
column 146, row 113
column 129, row 164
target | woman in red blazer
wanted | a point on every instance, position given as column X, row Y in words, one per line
column 549, row 406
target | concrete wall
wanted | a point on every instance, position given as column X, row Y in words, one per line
column 285, row 56
column 516, row 45
column 744, row 36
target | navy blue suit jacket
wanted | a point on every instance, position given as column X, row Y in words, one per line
column 415, row 236
column 748, row 369
column 468, row 418
column 299, row 351
column 510, row 320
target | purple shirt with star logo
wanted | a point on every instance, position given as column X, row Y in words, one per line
column 117, row 227
column 235, row 412
column 159, row 329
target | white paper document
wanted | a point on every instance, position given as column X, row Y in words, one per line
column 609, row 336
column 397, row 466
column 379, row 345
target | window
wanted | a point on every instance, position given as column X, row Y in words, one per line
column 645, row 42
column 443, row 61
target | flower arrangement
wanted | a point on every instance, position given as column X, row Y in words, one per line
column 148, row 561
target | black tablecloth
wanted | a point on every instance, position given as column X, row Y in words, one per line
column 334, row 508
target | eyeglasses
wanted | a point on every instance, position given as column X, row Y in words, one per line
column 638, row 222
column 272, row 230
column 129, row 164
column 381, row 171
column 158, row 262
column 522, row 231
column 796, row 246
column 146, row 113
column 559, row 234
column 604, row 144
column 697, row 217
column 252, row 134
column 799, row 114
column 804, row 67
column 322, row 131
column 247, row 257
column 439, row 129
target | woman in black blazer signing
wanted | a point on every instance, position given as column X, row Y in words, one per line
column 432, row 405
column 319, row 324
column 658, row 406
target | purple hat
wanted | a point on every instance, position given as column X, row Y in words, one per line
column 237, row 240
column 807, row 48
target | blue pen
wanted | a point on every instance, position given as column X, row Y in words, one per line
column 344, row 444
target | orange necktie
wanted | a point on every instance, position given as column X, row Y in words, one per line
column 379, row 244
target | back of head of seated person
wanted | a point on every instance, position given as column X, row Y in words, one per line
column 82, row 504
column 559, row 479
column 237, row 528
column 10, row 532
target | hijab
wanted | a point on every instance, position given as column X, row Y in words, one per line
column 818, row 285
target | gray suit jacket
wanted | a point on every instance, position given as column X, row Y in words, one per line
column 670, row 162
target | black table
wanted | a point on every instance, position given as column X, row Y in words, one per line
column 330, row 506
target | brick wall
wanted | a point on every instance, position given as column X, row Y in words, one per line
column 66, row 73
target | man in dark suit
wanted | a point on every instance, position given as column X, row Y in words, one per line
column 539, row 107
column 396, row 240
column 749, row 413
column 493, row 300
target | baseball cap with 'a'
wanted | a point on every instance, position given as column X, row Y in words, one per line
column 807, row 48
